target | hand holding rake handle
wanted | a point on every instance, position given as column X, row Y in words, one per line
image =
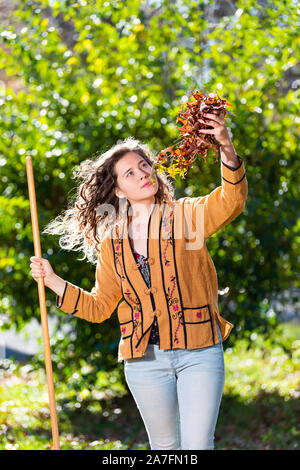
column 42, row 300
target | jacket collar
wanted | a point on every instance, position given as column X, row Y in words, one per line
column 153, row 231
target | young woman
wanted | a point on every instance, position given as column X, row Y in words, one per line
column 151, row 255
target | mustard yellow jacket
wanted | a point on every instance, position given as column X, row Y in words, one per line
column 184, row 287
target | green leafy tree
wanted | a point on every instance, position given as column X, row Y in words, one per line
column 95, row 72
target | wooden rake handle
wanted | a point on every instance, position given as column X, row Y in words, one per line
column 42, row 300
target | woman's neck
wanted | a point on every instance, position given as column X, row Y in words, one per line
column 139, row 215
column 140, row 211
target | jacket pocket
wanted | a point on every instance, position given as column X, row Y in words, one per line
column 125, row 316
column 124, row 312
column 198, row 322
column 126, row 329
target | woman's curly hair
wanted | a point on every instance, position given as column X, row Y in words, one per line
column 85, row 223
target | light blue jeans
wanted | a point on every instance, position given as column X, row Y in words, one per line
column 178, row 393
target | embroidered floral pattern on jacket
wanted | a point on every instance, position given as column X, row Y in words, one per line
column 170, row 279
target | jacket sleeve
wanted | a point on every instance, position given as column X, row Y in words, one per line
column 225, row 202
column 99, row 304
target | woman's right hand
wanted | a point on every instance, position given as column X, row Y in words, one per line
column 40, row 267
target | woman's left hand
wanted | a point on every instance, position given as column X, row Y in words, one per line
column 219, row 131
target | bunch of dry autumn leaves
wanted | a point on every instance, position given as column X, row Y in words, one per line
column 178, row 158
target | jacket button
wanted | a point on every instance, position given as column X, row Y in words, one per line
column 150, row 261
column 152, row 290
column 157, row 313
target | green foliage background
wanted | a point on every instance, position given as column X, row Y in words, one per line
column 94, row 72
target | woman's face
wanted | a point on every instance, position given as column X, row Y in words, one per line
column 133, row 179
